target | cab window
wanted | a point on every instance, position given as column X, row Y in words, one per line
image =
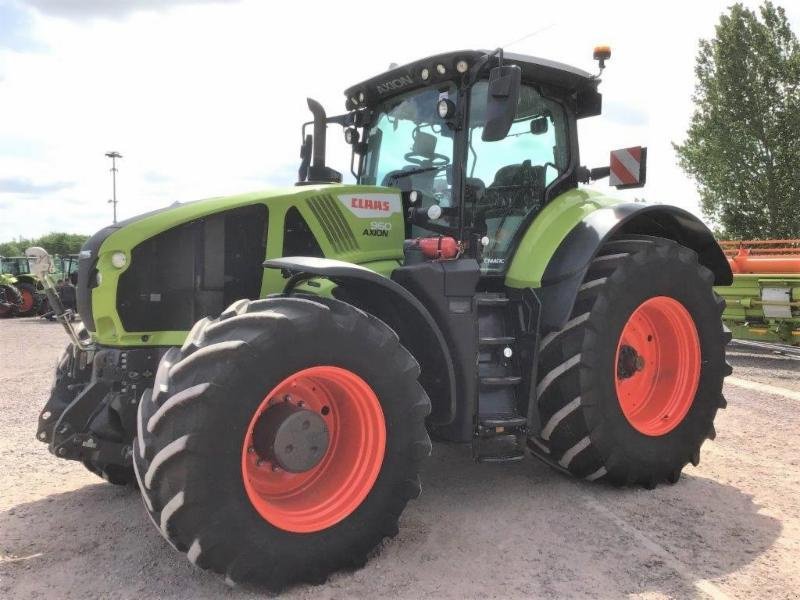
column 506, row 179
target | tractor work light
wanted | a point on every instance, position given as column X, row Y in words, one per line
column 119, row 260
column 434, row 212
column 425, row 74
column 445, row 108
column 462, row 66
column 441, row 69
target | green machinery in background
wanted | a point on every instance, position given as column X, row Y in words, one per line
column 763, row 303
column 32, row 300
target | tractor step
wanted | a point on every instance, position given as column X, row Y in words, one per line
column 500, row 381
column 491, row 299
column 503, row 340
column 499, row 448
column 502, row 422
column 500, row 430
column 501, row 459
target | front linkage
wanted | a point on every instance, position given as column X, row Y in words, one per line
column 91, row 413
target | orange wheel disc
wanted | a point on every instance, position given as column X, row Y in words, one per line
column 331, row 418
column 657, row 367
column 27, row 300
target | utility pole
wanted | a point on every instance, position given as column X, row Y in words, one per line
column 114, row 156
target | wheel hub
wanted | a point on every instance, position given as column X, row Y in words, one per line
column 629, row 362
column 292, row 438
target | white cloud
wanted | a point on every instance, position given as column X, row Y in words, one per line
column 207, row 98
column 82, row 9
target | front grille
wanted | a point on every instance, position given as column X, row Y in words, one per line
column 329, row 214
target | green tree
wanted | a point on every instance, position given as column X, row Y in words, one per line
column 54, row 243
column 743, row 144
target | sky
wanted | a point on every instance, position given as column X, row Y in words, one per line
column 206, row 97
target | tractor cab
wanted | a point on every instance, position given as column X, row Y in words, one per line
column 14, row 265
column 478, row 142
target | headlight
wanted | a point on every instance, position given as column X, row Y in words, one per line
column 98, row 278
column 119, row 260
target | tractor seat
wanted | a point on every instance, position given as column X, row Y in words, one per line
column 521, row 175
column 474, row 190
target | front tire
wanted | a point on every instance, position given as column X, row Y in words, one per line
column 628, row 390
column 31, row 300
column 197, row 455
column 10, row 301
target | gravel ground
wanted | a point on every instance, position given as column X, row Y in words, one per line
column 729, row 528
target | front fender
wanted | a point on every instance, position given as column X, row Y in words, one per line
column 567, row 255
column 398, row 308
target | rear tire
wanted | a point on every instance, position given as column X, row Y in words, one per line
column 585, row 429
column 188, row 454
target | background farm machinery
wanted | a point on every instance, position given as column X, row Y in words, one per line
column 763, row 303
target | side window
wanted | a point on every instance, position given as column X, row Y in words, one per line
column 298, row 240
column 506, row 179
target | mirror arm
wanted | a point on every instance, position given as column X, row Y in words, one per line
column 587, row 175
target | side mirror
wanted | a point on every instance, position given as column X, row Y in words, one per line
column 501, row 101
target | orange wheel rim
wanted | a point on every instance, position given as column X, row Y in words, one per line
column 327, row 493
column 657, row 366
column 27, row 300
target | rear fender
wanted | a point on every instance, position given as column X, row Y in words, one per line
column 558, row 284
column 399, row 309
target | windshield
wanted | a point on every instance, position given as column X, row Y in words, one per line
column 410, row 147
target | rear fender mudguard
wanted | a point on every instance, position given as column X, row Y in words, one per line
column 568, row 264
column 398, row 308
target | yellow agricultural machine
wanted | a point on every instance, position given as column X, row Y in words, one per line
column 763, row 304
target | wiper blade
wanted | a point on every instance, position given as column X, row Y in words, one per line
column 401, row 174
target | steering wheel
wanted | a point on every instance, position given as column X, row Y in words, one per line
column 435, row 160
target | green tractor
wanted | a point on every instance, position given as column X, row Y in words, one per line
column 10, row 298
column 270, row 368
column 27, row 284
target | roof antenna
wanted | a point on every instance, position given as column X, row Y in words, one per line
column 530, row 35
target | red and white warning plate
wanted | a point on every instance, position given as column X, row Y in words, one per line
column 628, row 167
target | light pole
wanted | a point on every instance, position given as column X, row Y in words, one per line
column 114, row 156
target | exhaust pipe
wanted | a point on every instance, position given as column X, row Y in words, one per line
column 318, row 172
column 320, row 131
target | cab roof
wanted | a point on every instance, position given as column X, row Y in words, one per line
column 407, row 77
